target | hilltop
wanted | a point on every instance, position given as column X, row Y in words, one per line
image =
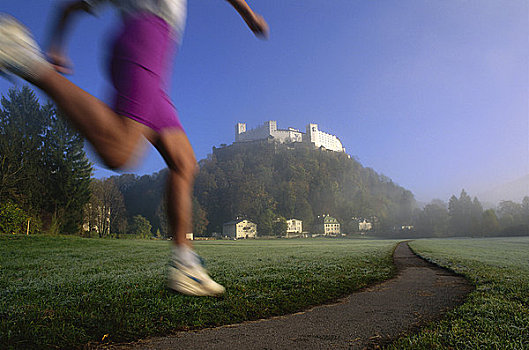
column 264, row 180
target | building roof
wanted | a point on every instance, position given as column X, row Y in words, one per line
column 326, row 219
column 234, row 222
column 330, row 220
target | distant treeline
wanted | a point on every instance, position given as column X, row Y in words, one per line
column 45, row 186
column 465, row 216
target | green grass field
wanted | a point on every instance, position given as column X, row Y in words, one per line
column 65, row 291
column 496, row 314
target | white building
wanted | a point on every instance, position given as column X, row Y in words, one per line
column 269, row 129
column 364, row 225
column 239, row 229
column 294, row 226
column 327, row 225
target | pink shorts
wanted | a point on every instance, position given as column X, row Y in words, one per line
column 140, row 69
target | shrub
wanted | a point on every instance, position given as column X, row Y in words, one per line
column 12, row 219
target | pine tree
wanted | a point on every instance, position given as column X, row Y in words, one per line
column 43, row 166
column 69, row 172
column 22, row 124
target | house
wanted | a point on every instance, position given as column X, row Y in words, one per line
column 327, row 225
column 240, row 228
column 294, row 227
column 364, row 225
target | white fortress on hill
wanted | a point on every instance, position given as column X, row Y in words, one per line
column 269, row 129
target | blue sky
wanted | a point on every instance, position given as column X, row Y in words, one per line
column 432, row 93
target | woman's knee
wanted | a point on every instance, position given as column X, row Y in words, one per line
column 186, row 166
column 116, row 162
column 120, row 157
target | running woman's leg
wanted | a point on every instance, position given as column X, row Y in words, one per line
column 185, row 273
column 177, row 152
column 116, row 139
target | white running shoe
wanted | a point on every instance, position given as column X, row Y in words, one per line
column 19, row 53
column 191, row 279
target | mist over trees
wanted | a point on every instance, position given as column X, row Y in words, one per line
column 463, row 216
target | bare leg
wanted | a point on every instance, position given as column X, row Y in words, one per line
column 185, row 274
column 115, row 138
column 175, row 148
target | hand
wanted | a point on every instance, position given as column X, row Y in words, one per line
column 259, row 26
column 59, row 61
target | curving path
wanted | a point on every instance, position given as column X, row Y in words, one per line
column 420, row 293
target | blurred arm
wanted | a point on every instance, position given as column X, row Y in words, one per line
column 56, row 52
column 255, row 22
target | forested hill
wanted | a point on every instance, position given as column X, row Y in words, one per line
column 266, row 180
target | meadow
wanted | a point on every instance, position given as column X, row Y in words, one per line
column 496, row 314
column 65, row 292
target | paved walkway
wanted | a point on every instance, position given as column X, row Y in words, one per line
column 420, row 293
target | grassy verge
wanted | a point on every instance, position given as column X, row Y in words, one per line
column 65, row 291
column 496, row 314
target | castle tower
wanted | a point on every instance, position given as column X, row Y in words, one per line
column 272, row 126
column 239, row 129
column 313, row 134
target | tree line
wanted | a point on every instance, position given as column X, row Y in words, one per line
column 464, row 216
column 264, row 182
column 267, row 183
column 46, row 186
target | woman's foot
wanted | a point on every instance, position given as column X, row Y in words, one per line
column 187, row 275
column 19, row 52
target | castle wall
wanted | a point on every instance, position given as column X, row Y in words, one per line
column 313, row 135
column 260, row 132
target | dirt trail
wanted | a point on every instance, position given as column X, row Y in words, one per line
column 420, row 293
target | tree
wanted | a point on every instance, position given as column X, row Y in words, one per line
column 476, row 215
column 460, row 212
column 105, row 213
column 12, row 219
column 525, row 210
column 510, row 213
column 144, row 195
column 141, row 227
column 163, row 221
column 280, row 226
column 433, row 220
column 68, row 183
column 490, row 223
column 22, row 124
column 200, row 221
